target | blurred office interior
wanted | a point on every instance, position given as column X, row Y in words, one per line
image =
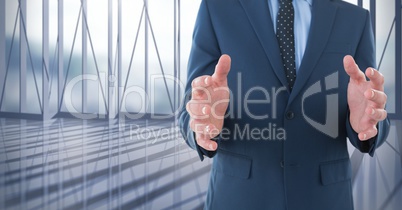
column 89, row 91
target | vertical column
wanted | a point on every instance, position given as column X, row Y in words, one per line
column 45, row 98
column 178, row 54
column 176, row 174
column 84, row 55
column 175, row 40
column 119, row 97
column 84, row 95
column 111, row 109
column 147, row 102
column 23, row 57
column 119, row 54
column 398, row 57
column 45, row 60
column 2, row 45
column 60, row 55
column 146, row 23
column 373, row 15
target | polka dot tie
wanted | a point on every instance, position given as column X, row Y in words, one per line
column 285, row 36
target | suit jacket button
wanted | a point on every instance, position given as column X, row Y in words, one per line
column 282, row 164
column 290, row 115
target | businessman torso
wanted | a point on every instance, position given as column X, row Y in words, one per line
column 281, row 149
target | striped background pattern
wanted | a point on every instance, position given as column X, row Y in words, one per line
column 143, row 164
column 76, row 164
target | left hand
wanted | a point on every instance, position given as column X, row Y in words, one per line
column 366, row 99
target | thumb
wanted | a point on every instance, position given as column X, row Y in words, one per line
column 222, row 69
column 352, row 69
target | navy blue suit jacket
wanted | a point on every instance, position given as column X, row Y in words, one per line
column 281, row 149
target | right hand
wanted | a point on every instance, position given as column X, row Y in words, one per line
column 208, row 104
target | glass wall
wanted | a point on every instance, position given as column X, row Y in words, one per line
column 104, row 57
column 95, row 59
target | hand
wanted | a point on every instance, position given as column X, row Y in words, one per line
column 208, row 104
column 366, row 99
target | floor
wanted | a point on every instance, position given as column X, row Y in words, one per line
column 142, row 164
column 76, row 164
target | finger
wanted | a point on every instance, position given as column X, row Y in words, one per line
column 368, row 134
column 198, row 110
column 198, row 126
column 376, row 114
column 376, row 79
column 202, row 94
column 199, row 93
column 378, row 97
column 204, row 127
column 352, row 69
column 202, row 81
column 222, row 69
column 199, row 87
column 206, row 143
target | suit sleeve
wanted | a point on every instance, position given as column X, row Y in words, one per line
column 365, row 57
column 204, row 55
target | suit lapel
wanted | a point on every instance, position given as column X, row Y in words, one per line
column 260, row 19
column 323, row 16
